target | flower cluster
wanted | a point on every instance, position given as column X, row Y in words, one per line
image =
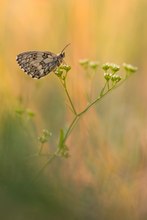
column 44, row 137
column 62, row 71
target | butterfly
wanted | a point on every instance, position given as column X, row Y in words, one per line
column 38, row 64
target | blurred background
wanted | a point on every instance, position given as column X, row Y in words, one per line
column 106, row 175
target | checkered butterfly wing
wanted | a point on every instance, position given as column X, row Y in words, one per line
column 37, row 63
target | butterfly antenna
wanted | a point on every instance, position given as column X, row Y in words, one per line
column 65, row 47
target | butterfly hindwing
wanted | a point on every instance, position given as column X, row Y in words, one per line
column 37, row 63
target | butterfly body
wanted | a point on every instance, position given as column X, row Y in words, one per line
column 38, row 64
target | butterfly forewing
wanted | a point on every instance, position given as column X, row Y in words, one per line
column 37, row 63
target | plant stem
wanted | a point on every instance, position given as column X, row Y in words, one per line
column 78, row 116
column 45, row 165
column 100, row 97
column 96, row 100
column 75, row 120
column 72, row 105
column 71, row 126
column 73, row 123
column 41, row 147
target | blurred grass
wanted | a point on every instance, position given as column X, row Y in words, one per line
column 105, row 177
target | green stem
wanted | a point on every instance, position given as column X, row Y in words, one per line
column 103, row 89
column 100, row 97
column 77, row 117
column 45, row 165
column 108, row 85
column 41, row 148
column 75, row 120
column 90, row 105
column 73, row 123
column 67, row 93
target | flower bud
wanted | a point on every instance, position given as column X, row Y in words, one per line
column 45, row 136
column 114, row 67
column 59, row 72
column 106, row 66
column 84, row 63
column 65, row 67
column 94, row 64
column 130, row 68
column 115, row 78
column 107, row 76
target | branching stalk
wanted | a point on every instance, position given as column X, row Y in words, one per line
column 69, row 98
column 112, row 81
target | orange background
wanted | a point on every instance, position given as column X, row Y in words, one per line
column 105, row 177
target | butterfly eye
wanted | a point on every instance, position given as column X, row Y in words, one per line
column 62, row 54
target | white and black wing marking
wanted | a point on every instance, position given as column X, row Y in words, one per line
column 38, row 63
